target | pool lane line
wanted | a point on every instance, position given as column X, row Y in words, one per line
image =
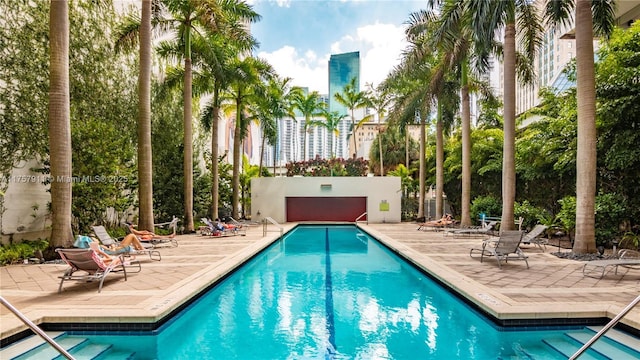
column 328, row 288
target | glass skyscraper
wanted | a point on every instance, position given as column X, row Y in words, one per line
column 342, row 68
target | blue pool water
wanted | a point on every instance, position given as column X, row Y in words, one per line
column 332, row 292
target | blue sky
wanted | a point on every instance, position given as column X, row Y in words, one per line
column 298, row 36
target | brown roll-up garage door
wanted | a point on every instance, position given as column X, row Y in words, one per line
column 325, row 208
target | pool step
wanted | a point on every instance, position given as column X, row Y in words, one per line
column 26, row 344
column 613, row 345
column 34, row 347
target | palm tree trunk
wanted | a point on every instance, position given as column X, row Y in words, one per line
column 586, row 153
column 275, row 153
column 145, row 162
column 215, row 181
column 353, row 134
column 466, row 151
column 188, row 149
column 237, row 143
column 508, row 152
column 439, row 164
column 304, row 140
column 380, row 148
column 422, row 171
column 264, row 138
column 406, row 145
column 60, row 125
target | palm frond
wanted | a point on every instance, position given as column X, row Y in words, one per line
column 558, row 12
column 126, row 32
column 603, row 17
column 529, row 28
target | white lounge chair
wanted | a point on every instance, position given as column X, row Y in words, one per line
column 106, row 240
column 220, row 230
column 505, row 248
column 532, row 237
column 628, row 259
column 487, row 229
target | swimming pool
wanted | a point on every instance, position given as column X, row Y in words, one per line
column 332, row 292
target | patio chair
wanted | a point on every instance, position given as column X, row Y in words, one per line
column 629, row 259
column 106, row 239
column 91, row 264
column 437, row 225
column 156, row 240
column 487, row 229
column 506, row 247
column 532, row 237
column 220, row 230
column 242, row 222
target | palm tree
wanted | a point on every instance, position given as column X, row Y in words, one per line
column 353, row 99
column 452, row 34
column 249, row 74
column 394, row 146
column 442, row 87
column 486, row 18
column 406, row 180
column 145, row 162
column 589, row 16
column 412, row 80
column 267, row 108
column 180, row 19
column 332, row 120
column 279, row 104
column 215, row 56
column 60, row 125
column 379, row 99
column 310, row 106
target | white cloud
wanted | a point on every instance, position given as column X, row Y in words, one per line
column 380, row 46
column 306, row 70
column 385, row 44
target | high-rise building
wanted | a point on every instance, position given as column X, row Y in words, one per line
column 343, row 68
column 557, row 50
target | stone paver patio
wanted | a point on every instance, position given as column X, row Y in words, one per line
column 551, row 288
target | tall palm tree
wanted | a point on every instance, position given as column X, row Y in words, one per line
column 179, row 20
column 145, row 161
column 215, row 57
column 447, row 105
column 453, row 36
column 353, row 99
column 487, row 17
column 379, row 99
column 442, row 87
column 589, row 16
column 250, row 73
column 60, row 125
column 412, row 80
column 309, row 105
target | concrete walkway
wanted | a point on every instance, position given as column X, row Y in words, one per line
column 552, row 288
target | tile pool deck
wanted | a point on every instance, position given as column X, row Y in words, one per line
column 551, row 288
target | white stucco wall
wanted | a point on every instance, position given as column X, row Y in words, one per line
column 268, row 194
column 24, row 214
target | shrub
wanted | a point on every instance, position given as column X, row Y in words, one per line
column 531, row 215
column 489, row 205
column 13, row 253
column 328, row 167
column 610, row 211
column 567, row 214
